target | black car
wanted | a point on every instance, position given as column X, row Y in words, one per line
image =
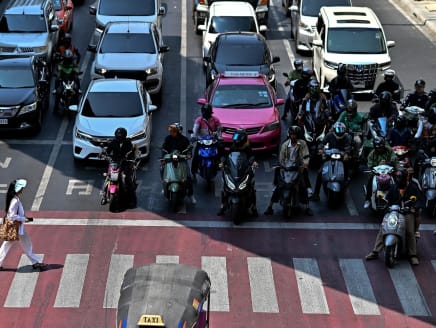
column 24, row 93
column 240, row 51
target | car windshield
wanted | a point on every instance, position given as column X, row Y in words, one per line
column 127, row 7
column 57, row 4
column 222, row 24
column 23, row 23
column 241, row 54
column 16, row 78
column 241, row 96
column 312, row 7
column 112, row 104
column 355, row 41
column 128, row 43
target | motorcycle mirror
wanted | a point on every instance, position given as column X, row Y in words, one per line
column 413, row 198
column 285, row 74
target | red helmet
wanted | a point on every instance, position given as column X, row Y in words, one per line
column 383, row 181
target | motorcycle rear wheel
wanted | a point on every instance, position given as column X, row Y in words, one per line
column 114, row 203
column 390, row 256
column 174, row 200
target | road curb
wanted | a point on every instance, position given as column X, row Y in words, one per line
column 417, row 11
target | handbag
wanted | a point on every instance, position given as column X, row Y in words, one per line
column 9, row 230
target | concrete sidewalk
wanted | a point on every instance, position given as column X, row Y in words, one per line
column 423, row 13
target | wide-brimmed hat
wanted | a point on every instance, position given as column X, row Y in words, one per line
column 20, row 184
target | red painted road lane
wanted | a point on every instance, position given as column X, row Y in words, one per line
column 235, row 245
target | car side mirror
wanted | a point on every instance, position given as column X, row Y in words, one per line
column 92, row 47
column 92, row 10
column 54, row 27
column 276, row 59
column 390, row 44
column 163, row 10
column 151, row 108
column 164, row 49
column 73, row 108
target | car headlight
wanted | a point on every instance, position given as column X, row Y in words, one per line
column 331, row 65
column 272, row 126
column 81, row 135
column 42, row 49
column 28, row 108
column 305, row 27
column 229, row 182
column 100, row 70
column 138, row 136
column 151, row 71
column 385, row 66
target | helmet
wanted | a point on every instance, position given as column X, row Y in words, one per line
column 206, row 111
column 400, row 177
column 67, row 37
column 342, row 69
column 240, row 138
column 383, row 181
column 339, row 129
column 175, row 127
column 68, row 56
column 313, row 87
column 390, row 73
column 306, row 73
column 432, row 115
column 351, row 106
column 378, row 143
column 432, row 94
column 401, row 122
column 298, row 64
column 121, row 134
column 294, row 130
column 420, row 83
column 385, row 98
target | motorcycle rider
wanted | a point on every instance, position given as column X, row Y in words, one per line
column 337, row 139
column 431, row 102
column 417, row 98
column 240, row 143
column 206, row 124
column 294, row 150
column 299, row 91
column 384, row 108
column 388, row 85
column 407, row 192
column 341, row 81
column 65, row 44
column 67, row 70
column 119, row 149
column 295, row 74
column 400, row 135
column 354, row 122
column 177, row 141
column 381, row 154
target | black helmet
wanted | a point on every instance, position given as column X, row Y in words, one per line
column 342, row 69
column 206, row 111
column 240, row 138
column 401, row 122
column 298, row 64
column 432, row 115
column 351, row 106
column 378, row 143
column 420, row 83
column 389, row 74
column 400, row 177
column 68, row 56
column 306, row 73
column 339, row 129
column 121, row 134
column 385, row 97
column 294, row 130
column 432, row 94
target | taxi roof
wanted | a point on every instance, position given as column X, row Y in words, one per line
column 236, row 77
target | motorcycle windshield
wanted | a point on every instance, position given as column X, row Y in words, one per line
column 429, row 178
column 344, row 95
column 383, row 124
column 176, row 172
column 237, row 164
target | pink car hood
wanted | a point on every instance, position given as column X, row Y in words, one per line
column 246, row 117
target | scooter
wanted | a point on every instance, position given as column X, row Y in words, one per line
column 428, row 181
column 414, row 116
column 239, row 192
column 175, row 176
column 333, row 177
column 208, row 158
column 312, row 139
column 69, row 95
column 394, row 232
column 289, row 176
column 338, row 102
column 379, row 203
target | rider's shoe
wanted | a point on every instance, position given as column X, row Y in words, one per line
column 367, row 204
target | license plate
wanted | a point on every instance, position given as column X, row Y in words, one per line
column 3, row 121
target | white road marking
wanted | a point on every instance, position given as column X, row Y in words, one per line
column 216, row 267
column 350, row 203
column 72, row 280
column 310, row 288
column 408, row 290
column 167, row 259
column 183, row 66
column 23, row 285
column 118, row 267
column 263, row 291
column 359, row 287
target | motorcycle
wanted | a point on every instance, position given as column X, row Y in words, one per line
column 239, row 192
column 289, row 176
column 174, row 177
column 394, row 232
column 333, row 177
column 43, row 81
column 69, row 94
column 428, row 181
column 115, row 188
column 379, row 203
column 414, row 116
column 338, row 102
column 291, row 105
column 402, row 153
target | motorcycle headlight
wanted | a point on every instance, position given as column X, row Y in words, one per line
column 81, row 135
column 28, row 108
column 243, row 184
column 207, row 142
column 272, row 126
column 392, row 220
column 139, row 135
column 229, row 182
column 100, row 70
column 151, row 71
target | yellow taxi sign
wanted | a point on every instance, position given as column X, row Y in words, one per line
column 151, row 320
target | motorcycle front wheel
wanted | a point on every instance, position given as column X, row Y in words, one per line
column 390, row 256
column 236, row 213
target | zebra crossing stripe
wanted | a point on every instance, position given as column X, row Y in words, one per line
column 408, row 290
column 167, row 259
column 72, row 280
column 263, row 291
column 23, row 285
column 359, row 287
column 117, row 268
column 216, row 267
column 312, row 296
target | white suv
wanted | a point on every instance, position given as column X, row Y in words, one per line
column 353, row 36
